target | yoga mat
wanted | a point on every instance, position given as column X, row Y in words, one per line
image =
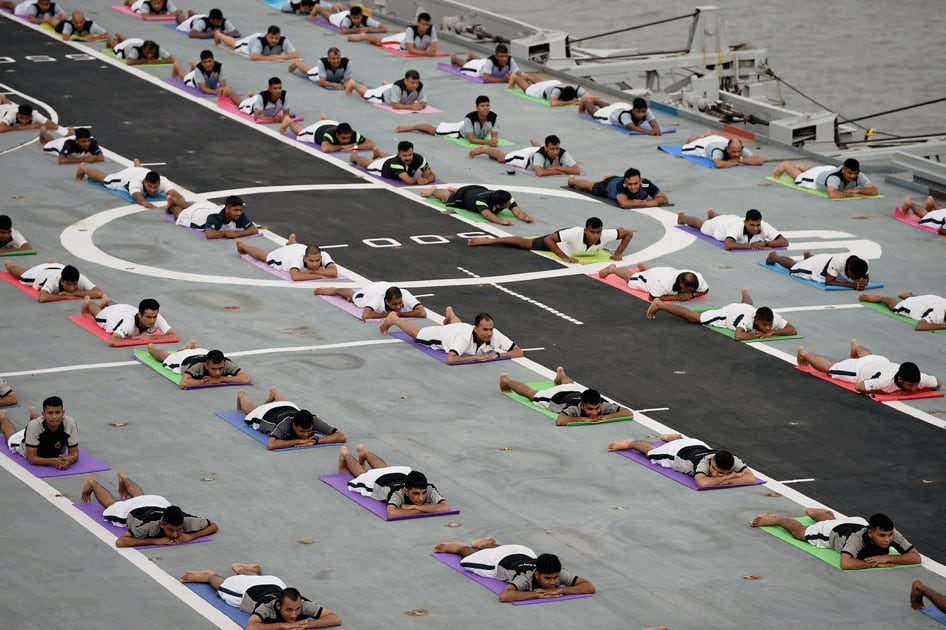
column 912, row 219
column 678, row 152
column 786, row 180
column 440, row 355
column 829, row 556
column 720, row 244
column 620, row 283
column 539, row 386
column 13, row 406
column 345, row 305
column 934, row 613
column 49, row 28
column 395, row 47
column 88, row 323
column 818, row 285
column 285, row 274
column 882, row 308
column 463, row 142
column 879, row 397
column 144, row 357
column 732, row 335
column 201, row 233
column 583, row 259
column 476, row 217
column 25, row 288
column 209, row 595
column 401, row 112
column 20, row 252
column 124, row 194
column 496, row 586
column 670, row 473
column 452, row 69
column 613, row 202
column 95, row 511
column 391, row 182
column 339, row 481
column 108, row 52
column 121, row 8
column 625, row 130
column 321, row 21
column 318, row 147
column 84, row 465
column 224, row 103
column 521, row 94
column 237, row 419
column 179, row 84
column 276, row 4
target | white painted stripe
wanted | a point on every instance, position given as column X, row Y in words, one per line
column 822, row 307
column 532, row 349
column 71, row 368
column 651, row 409
column 797, row 480
column 333, row 246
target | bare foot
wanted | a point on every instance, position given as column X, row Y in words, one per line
column 8, row 265
column 427, row 192
column 477, row 151
column 806, row 255
column 770, row 259
column 642, row 266
column 619, row 445
column 291, row 240
column 342, row 455
column 654, row 308
column 389, row 321
column 324, row 291
column 123, row 486
column 273, row 395
column 246, row 569
column 801, row 357
column 504, row 385
column 916, row 595
column 855, row 349
column 763, row 520
column 86, row 495
column 200, row 577
column 241, row 400
column 571, row 181
column 905, row 295
column 906, row 204
column 450, row 547
column 607, row 271
column 746, row 298
column 559, row 375
column 710, row 213
column 680, row 220
column 362, row 453
column 448, row 315
column 86, row 301
column 479, row 240
column 191, row 344
column 241, row 248
column 80, row 172
column 292, row 67
column 479, row 543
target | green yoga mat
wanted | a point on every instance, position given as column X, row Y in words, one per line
column 22, row 252
column 535, row 99
column 583, row 259
column 145, row 357
column 830, row 556
column 732, row 335
column 540, row 385
column 882, row 308
column 786, row 180
column 463, row 142
column 472, row 216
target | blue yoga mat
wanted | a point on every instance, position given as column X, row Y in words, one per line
column 818, row 285
column 209, row 595
column 236, row 419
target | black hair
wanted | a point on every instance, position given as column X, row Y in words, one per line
column 355, row 10
column 482, row 98
column 423, row 16
column 594, row 223
column 153, row 177
column 25, row 110
column 312, row 250
column 233, row 200
column 289, row 594
column 480, row 317
column 215, row 357
column 6, row 223
column 416, row 480
column 632, row 172
column 501, row 48
column 568, row 93
column 274, row 81
column 404, row 145
column 83, row 132
column 852, row 164
column 273, row 30
column 148, row 304
column 724, row 460
column 639, row 103
column 501, row 197
column 150, row 45
column 215, row 14
column 69, row 274
column 303, row 419
column 206, row 54
column 344, row 128
column 52, row 401
column 686, row 280
column 552, row 139
column 880, row 521
column 391, row 293
column 764, row 314
column 548, row 563
column 412, row 74
column 591, row 397
column 909, row 372
column 753, row 215
column 856, row 267
column 173, row 515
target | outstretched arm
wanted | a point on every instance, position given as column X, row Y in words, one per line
column 298, row 275
column 427, row 508
column 211, row 233
column 625, row 236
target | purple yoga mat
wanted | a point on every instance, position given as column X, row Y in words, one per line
column 321, row 21
column 339, row 481
column 284, row 275
column 170, row 219
column 345, row 305
column 440, row 355
column 452, row 69
column 179, row 84
column 86, row 464
column 670, row 473
column 453, row 561
column 720, row 244
column 95, row 511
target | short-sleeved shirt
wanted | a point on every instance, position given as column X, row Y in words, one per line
column 852, row 539
column 876, row 372
column 366, row 22
column 471, row 124
column 260, row 46
column 53, row 11
column 265, row 106
column 524, row 569
column 66, row 27
column 131, row 180
column 202, row 24
column 420, row 42
column 725, row 226
column 832, row 178
column 555, row 91
column 572, row 241
column 290, row 257
column 212, row 79
column 476, row 198
column 196, row 367
column 392, row 167
column 326, row 131
column 397, row 497
column 16, row 240
column 336, row 75
column 660, row 281
column 820, row 266
column 934, row 218
column 372, row 296
column 8, row 116
column 696, row 459
column 47, row 277
column 398, row 93
column 261, row 600
column 712, row 147
column 122, row 320
column 145, row 522
column 566, row 399
column 51, row 443
column 458, row 338
column 491, row 67
column 929, row 308
column 145, row 9
column 613, row 186
column 737, row 315
column 218, row 221
column 540, row 158
column 131, row 49
column 68, row 147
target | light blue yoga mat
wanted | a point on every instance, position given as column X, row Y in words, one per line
column 818, row 285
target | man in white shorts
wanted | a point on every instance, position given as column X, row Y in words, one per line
column 37, row 11
column 270, row 105
column 378, row 299
column 149, row 519
column 265, row 597
column 708, row 467
column 748, row 321
column 499, row 67
column 203, row 26
column 7, row 397
column 833, row 270
column 725, row 151
column 208, row 77
column 138, row 181
column 329, row 135
column 226, row 221
column 633, row 116
column 15, row 117
column 847, row 181
column 79, row 147
column 569, row 400
column 54, row 281
column 463, row 343
column 545, row 160
column 407, row 93
column 10, row 239
column 862, row 544
column 199, row 366
column 301, row 262
column 51, row 439
column 557, row 93
column 150, row 9
column 285, row 423
column 930, row 215
column 354, row 22
column 271, row 46
column 567, row 243
column 407, row 166
column 480, row 200
column 735, row 233
column 870, row 372
column 665, row 283
column 124, row 321
column 406, row 492
column 528, row 575
column 478, row 127
column 928, row 310
column 417, row 39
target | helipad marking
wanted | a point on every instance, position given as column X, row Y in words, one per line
column 545, row 307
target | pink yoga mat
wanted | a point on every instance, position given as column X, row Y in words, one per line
column 121, row 8
column 339, row 481
column 86, row 464
column 88, row 323
column 618, row 282
column 95, row 511
column 25, row 288
column 224, row 103
column 878, row 396
column 670, row 473
column 912, row 219
column 401, row 112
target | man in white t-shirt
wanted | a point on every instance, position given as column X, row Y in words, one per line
column 735, row 233
column 930, row 215
column 125, row 321
column 870, row 372
column 833, row 270
column 138, row 181
column 301, row 262
column 378, row 299
column 746, row 320
column 226, row 221
column 10, row 239
column 928, row 310
column 567, row 243
column 55, row 281
column 666, row 283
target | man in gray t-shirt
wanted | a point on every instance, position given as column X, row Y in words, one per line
column 707, row 466
column 285, row 423
column 406, row 492
column 569, row 400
